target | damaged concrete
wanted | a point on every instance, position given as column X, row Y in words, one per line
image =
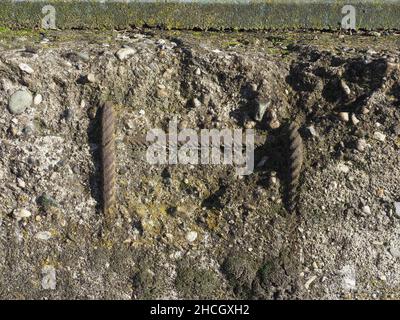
column 344, row 243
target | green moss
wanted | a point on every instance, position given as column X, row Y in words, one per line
column 193, row 282
column 266, row 271
column 231, row 43
column 46, row 202
column 240, row 270
column 147, row 284
column 235, row 16
column 6, row 32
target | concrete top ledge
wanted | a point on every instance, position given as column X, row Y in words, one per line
column 200, row 14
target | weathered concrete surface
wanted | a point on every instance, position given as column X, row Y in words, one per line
column 220, row 14
column 344, row 244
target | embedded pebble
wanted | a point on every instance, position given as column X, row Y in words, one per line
column 83, row 56
column 38, row 99
column 348, row 277
column 249, row 124
column 366, row 210
column 364, row 110
column 20, row 214
column 395, row 251
column 397, row 207
column 361, row 145
column 49, row 281
column 312, row 131
column 28, row 129
column 376, row 34
column 379, row 136
column 43, row 235
column 262, row 106
column 91, row 78
column 345, row 87
column 191, row 236
column 196, row 103
column 162, row 93
column 21, row 183
column 354, row 119
column 125, row 53
column 274, row 124
column 198, row 72
column 19, row 101
column 344, row 116
column 343, row 168
column 26, row 68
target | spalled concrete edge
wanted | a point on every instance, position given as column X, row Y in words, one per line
column 244, row 15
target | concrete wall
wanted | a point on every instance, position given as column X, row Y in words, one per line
column 203, row 14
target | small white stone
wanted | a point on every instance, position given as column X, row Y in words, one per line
column 395, row 251
column 142, row 112
column 366, row 210
column 273, row 180
column 382, row 277
column 196, row 103
column 38, row 99
column 379, row 136
column 354, row 119
column 348, row 273
column 250, row 124
column 43, row 235
column 49, row 281
column 343, row 168
column 198, row 72
column 364, row 110
column 312, row 131
column 178, row 254
column 125, row 53
column 19, row 214
column 191, row 236
column 361, row 145
column 274, row 124
column 21, row 183
column 26, row 68
column 91, row 77
column 254, row 87
column 344, row 116
column 345, row 87
column 397, row 207
column 19, row 101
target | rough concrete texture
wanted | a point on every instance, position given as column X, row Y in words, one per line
column 345, row 241
column 201, row 14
